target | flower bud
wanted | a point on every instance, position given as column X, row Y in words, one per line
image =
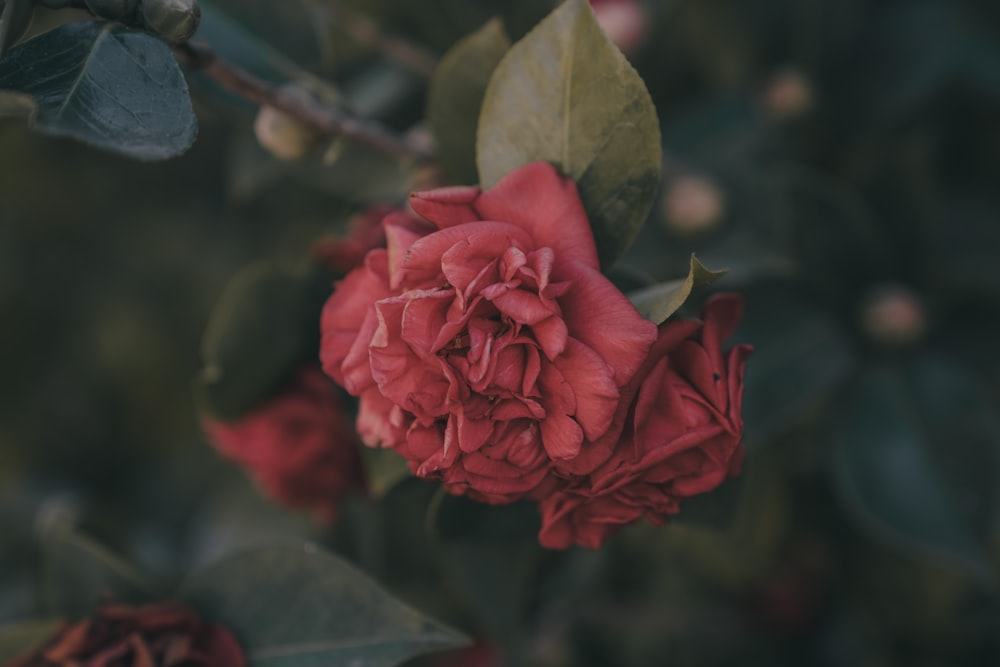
column 788, row 94
column 114, row 10
column 692, row 204
column 893, row 315
column 623, row 21
column 174, row 21
column 283, row 136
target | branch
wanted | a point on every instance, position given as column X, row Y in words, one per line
column 414, row 58
column 325, row 119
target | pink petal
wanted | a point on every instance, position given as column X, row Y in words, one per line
column 592, row 383
column 546, row 204
column 561, row 436
column 446, row 207
column 600, row 316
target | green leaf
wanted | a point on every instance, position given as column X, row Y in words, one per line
column 456, row 95
column 384, row 468
column 889, row 479
column 15, row 17
column 297, row 606
column 566, row 95
column 78, row 573
column 16, row 640
column 264, row 327
column 659, row 302
column 105, row 85
column 801, row 357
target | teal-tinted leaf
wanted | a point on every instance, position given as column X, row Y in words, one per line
column 78, row 573
column 659, row 302
column 265, row 325
column 15, row 17
column 105, row 85
column 566, row 95
column 889, row 479
column 801, row 357
column 384, row 468
column 297, row 606
column 15, row 640
column 456, row 95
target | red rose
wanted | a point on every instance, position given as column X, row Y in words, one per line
column 487, row 347
column 152, row 635
column 300, row 445
column 682, row 439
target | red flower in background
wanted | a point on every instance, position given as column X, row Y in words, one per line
column 152, row 635
column 625, row 22
column 487, row 348
column 299, row 446
column 683, row 434
column 364, row 232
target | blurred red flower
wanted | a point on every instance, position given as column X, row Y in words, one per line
column 299, row 446
column 154, row 635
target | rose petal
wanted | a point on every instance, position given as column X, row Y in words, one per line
column 547, row 205
column 446, row 207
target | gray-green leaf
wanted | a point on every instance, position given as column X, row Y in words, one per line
column 566, row 95
column 309, row 608
column 890, row 480
column 659, row 302
column 105, row 85
column 456, row 95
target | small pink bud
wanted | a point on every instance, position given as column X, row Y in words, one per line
column 625, row 22
column 692, row 204
column 893, row 315
column 788, row 94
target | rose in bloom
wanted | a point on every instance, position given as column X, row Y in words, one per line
column 299, row 446
column 152, row 635
column 683, row 433
column 484, row 343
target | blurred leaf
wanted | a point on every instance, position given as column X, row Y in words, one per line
column 238, row 45
column 16, row 640
column 801, row 356
column 105, row 85
column 456, row 95
column 384, row 468
column 566, row 95
column 15, row 17
column 306, row 607
column 659, row 302
column 78, row 573
column 265, row 325
column 17, row 105
column 889, row 479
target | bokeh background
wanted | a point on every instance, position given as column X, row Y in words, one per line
column 841, row 157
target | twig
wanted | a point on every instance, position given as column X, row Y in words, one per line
column 414, row 58
column 326, row 119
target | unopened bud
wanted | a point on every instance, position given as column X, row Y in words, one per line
column 788, row 94
column 283, row 136
column 893, row 315
column 114, row 10
column 173, row 21
column 624, row 22
column 693, row 204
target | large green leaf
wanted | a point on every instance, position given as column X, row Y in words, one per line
column 566, row 95
column 105, row 85
column 890, row 479
column 659, row 302
column 78, row 573
column 297, row 606
column 456, row 96
column 15, row 640
column 265, row 325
